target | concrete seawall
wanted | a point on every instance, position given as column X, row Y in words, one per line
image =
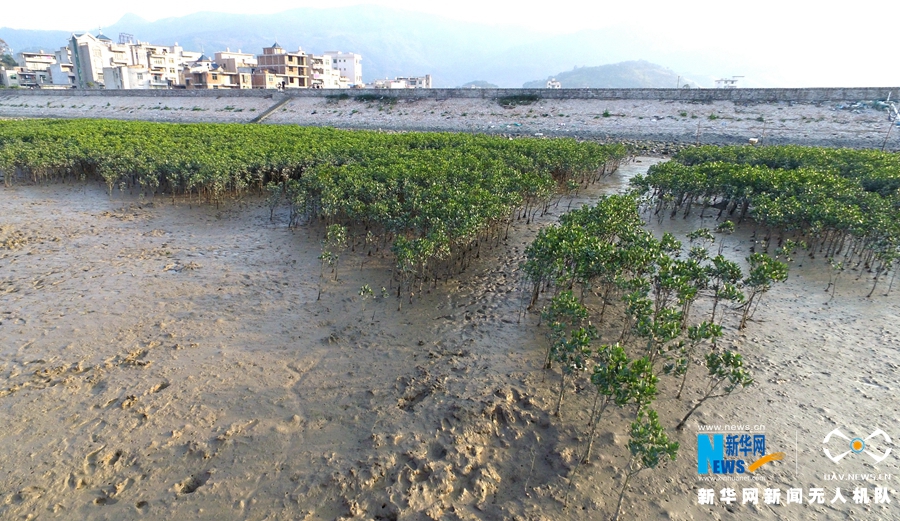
column 807, row 95
column 824, row 117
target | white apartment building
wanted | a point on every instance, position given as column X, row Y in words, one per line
column 92, row 62
column 349, row 65
column 9, row 77
column 91, row 55
column 410, row 82
column 728, row 83
column 127, row 77
column 417, row 82
column 323, row 75
column 165, row 62
column 35, row 61
column 25, row 78
column 62, row 73
column 233, row 61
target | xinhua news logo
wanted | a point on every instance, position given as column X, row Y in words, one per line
column 875, row 445
column 732, row 453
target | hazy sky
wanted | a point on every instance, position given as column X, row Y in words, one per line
column 708, row 20
column 799, row 39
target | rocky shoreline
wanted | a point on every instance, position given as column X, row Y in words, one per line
column 655, row 127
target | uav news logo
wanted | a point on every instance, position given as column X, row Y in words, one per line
column 857, row 445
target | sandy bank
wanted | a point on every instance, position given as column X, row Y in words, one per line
column 677, row 121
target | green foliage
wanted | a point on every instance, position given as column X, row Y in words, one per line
column 649, row 446
column 605, row 250
column 840, row 202
column 433, row 195
column 726, row 375
column 365, row 293
column 6, row 60
column 724, row 276
column 570, row 338
column 619, row 381
column 369, row 98
column 335, row 241
column 764, row 271
column 701, row 235
column 680, row 364
column 563, row 315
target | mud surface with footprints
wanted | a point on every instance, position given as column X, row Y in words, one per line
column 171, row 361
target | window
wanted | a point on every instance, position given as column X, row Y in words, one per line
column 140, row 76
column 215, row 76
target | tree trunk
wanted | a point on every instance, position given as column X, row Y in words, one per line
column 562, row 389
column 684, row 420
column 622, row 493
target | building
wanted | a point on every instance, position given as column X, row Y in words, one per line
column 234, row 61
column 34, row 70
column 62, row 73
column 264, row 79
column 165, row 63
column 322, row 74
column 89, row 55
column 92, row 54
column 349, row 65
column 218, row 79
column 207, row 74
column 94, row 62
column 35, row 61
column 291, row 69
column 417, row 82
column 728, row 83
column 412, row 82
column 24, row 78
column 553, row 83
column 127, row 77
column 9, row 78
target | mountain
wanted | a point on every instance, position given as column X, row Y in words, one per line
column 395, row 42
column 630, row 74
column 32, row 40
column 479, row 84
column 392, row 42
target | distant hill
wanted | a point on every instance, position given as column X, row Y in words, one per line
column 630, row 74
column 479, row 84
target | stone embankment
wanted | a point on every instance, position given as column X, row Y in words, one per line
column 662, row 119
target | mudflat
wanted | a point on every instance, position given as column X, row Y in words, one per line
column 167, row 360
